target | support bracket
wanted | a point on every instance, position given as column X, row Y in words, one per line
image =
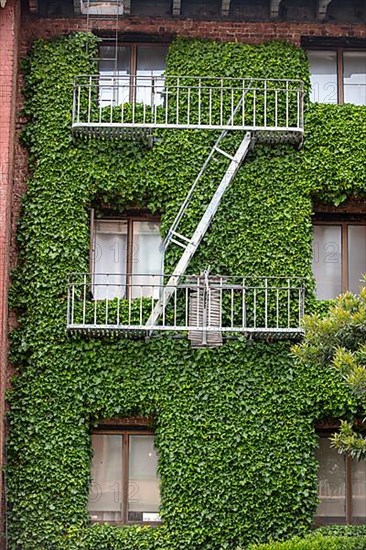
column 225, row 8
column 176, row 7
column 274, row 6
column 322, row 8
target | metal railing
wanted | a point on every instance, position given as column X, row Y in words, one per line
column 110, row 303
column 187, row 102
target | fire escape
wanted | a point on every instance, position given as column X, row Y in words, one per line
column 207, row 307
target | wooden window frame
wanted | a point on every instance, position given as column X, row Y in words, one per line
column 344, row 224
column 130, row 219
column 339, row 66
column 125, row 429
column 326, row 434
column 132, row 60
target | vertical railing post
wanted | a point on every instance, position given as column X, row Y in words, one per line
column 265, row 303
column 74, row 102
column 141, row 310
column 84, row 301
column 265, row 103
column 68, row 320
column 288, row 303
column 276, row 107
column 106, row 301
column 210, row 106
column 89, row 98
column 199, row 100
column 72, row 303
column 287, row 104
column 254, row 107
column 78, row 102
column 244, row 306
column 177, row 108
column 221, row 102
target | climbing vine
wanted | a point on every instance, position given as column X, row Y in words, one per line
column 234, row 426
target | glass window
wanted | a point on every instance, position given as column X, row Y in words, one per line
column 338, row 76
column 127, row 258
column 327, row 267
column 130, row 73
column 146, row 258
column 359, row 491
column 110, row 259
column 356, row 256
column 114, row 62
column 354, row 77
column 105, row 498
column 339, row 258
column 143, row 487
column 323, row 76
column 331, row 484
column 125, row 483
column 341, row 486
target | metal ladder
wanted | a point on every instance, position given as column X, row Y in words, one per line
column 190, row 244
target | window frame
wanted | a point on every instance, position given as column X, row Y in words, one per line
column 130, row 218
column 124, row 429
column 344, row 224
column 132, row 60
column 339, row 50
column 348, row 516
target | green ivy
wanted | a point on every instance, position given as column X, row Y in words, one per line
column 234, row 426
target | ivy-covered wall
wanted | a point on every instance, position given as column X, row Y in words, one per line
column 234, row 426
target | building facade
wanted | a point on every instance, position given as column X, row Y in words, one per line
column 180, row 183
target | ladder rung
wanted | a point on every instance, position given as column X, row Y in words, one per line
column 180, row 236
column 224, row 153
column 178, row 243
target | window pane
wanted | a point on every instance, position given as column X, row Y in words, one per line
column 105, row 497
column 150, row 62
column 327, row 268
column 110, row 252
column 114, row 63
column 356, row 256
column 359, row 491
column 143, row 486
column 323, row 76
column 147, row 258
column 331, row 484
column 354, row 77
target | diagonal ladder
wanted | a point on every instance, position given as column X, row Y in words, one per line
column 190, row 244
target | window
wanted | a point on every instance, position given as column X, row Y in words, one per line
column 341, row 486
column 126, row 257
column 339, row 257
column 130, row 62
column 125, row 483
column 338, row 76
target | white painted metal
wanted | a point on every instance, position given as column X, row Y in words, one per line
column 190, row 245
column 186, row 102
column 272, row 306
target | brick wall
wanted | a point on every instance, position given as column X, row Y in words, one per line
column 252, row 33
column 9, row 25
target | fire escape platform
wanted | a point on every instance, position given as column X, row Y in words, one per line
column 207, row 309
column 133, row 107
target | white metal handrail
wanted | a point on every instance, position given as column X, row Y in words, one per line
column 187, row 102
column 109, row 302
